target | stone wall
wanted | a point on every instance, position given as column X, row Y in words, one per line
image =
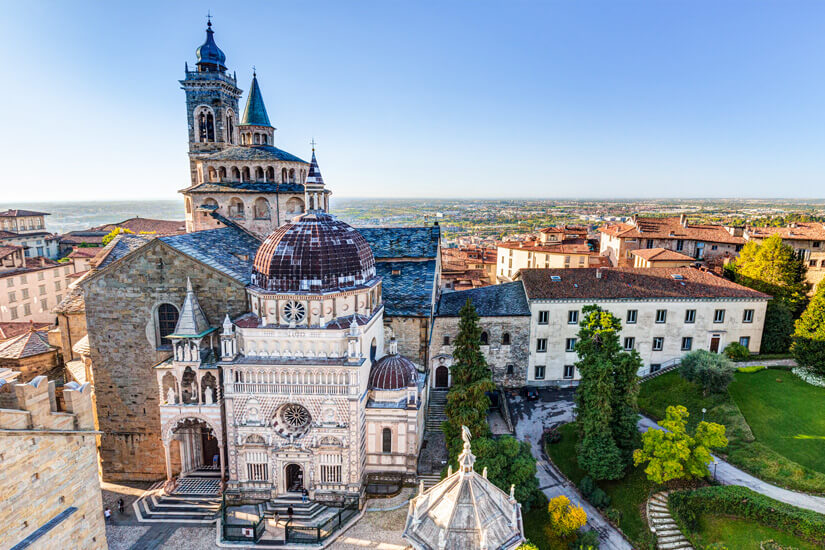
column 412, row 336
column 29, row 367
column 49, row 464
column 499, row 355
column 71, row 329
column 121, row 304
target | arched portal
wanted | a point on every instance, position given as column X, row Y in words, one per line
column 294, row 477
column 442, row 377
column 200, row 447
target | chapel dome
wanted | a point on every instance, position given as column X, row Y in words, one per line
column 313, row 253
column 392, row 372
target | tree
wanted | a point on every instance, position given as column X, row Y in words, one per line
column 467, row 400
column 808, row 346
column 774, row 268
column 107, row 238
column 508, row 462
column 672, row 453
column 565, row 518
column 606, row 396
column 712, row 371
column 776, row 335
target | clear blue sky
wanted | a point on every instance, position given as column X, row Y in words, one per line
column 429, row 99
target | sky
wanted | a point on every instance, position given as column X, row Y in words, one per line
column 472, row 99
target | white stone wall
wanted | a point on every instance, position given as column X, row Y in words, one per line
column 558, row 330
column 525, row 258
column 35, row 293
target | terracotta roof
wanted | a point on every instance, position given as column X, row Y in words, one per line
column 19, row 213
column 565, row 229
column 671, row 228
column 9, row 249
column 83, row 237
column 33, row 342
column 573, row 247
column 8, row 234
column 11, row 329
column 146, row 225
column 83, row 252
column 814, row 231
column 661, row 255
column 630, row 283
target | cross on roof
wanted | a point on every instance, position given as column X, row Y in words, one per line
column 312, row 143
column 209, row 16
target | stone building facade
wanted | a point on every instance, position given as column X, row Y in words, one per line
column 505, row 321
column 50, row 486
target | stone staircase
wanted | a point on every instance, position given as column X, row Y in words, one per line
column 155, row 506
column 435, row 410
column 429, row 480
column 668, row 535
column 666, row 367
column 304, row 514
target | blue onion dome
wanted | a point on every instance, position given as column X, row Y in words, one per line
column 209, row 54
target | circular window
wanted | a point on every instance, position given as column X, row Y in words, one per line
column 292, row 420
column 294, row 311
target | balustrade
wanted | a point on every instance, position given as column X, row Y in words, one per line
column 310, row 389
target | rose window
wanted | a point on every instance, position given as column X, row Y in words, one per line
column 294, row 311
column 292, row 420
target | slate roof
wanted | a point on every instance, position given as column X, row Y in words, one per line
column 192, row 321
column 502, row 300
column 246, row 187
column 227, row 249
column 73, row 302
column 314, row 175
column 255, row 111
column 255, row 152
column 33, row 342
column 408, row 294
column 661, row 255
column 17, row 213
column 402, row 242
column 120, row 246
column 631, row 283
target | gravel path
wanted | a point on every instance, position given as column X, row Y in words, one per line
column 728, row 474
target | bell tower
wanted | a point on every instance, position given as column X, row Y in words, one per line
column 211, row 102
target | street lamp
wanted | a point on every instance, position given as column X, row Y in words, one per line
column 704, row 410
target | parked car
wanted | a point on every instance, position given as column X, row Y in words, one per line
column 530, row 393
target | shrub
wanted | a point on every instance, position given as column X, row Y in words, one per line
column 808, row 346
column 586, row 540
column 807, row 375
column 712, row 371
column 527, row 546
column 587, row 486
column 552, row 435
column 614, row 515
column 688, row 507
column 599, row 499
column 736, row 351
column 751, row 369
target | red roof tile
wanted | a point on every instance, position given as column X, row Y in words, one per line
column 661, row 255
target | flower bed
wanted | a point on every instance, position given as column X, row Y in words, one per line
column 807, row 375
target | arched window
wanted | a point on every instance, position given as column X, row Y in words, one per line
column 373, row 350
column 245, row 174
column 213, row 174
column 257, row 139
column 283, row 175
column 209, row 201
column 230, row 127
column 236, row 174
column 294, row 205
column 485, row 339
column 261, row 209
column 188, row 203
column 259, row 174
column 446, row 340
column 206, row 124
column 167, row 319
column 386, row 440
column 222, row 173
column 510, row 369
column 505, row 339
column 292, row 175
column 270, row 174
column 236, row 208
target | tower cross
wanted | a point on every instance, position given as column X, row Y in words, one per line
column 312, row 143
column 209, row 16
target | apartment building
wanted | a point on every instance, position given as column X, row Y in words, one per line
column 556, row 247
column 665, row 313
column 808, row 239
column 27, row 229
column 30, row 292
column 708, row 243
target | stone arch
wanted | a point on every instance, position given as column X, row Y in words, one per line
column 245, row 176
column 210, row 383
column 165, row 320
column 169, row 382
column 222, row 173
column 261, row 209
column 230, row 126
column 236, row 208
column 188, row 203
column 213, row 174
column 189, row 387
column 485, row 339
column 236, row 173
column 270, row 173
column 294, row 205
column 283, row 175
column 259, row 173
column 209, row 201
column 254, row 439
column 204, row 120
column 292, row 175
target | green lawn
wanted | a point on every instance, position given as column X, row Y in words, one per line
column 744, row 534
column 785, row 413
column 766, row 455
column 626, row 495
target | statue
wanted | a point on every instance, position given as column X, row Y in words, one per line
column 442, row 539
column 207, row 395
column 170, row 397
column 466, row 435
column 194, row 391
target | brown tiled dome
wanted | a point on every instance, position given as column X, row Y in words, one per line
column 313, row 253
column 392, row 372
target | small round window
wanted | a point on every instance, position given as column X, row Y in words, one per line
column 294, row 311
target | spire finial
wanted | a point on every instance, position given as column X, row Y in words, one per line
column 313, row 144
column 209, row 18
column 254, row 72
column 188, row 285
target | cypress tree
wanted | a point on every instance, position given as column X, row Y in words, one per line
column 467, row 400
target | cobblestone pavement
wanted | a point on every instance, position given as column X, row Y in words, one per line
column 392, row 503
column 376, row 530
column 433, row 456
column 530, row 417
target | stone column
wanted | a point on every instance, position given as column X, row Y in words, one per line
column 168, row 460
column 222, row 459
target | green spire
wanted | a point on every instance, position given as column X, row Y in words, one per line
column 255, row 112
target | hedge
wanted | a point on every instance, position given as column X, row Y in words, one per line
column 688, row 506
column 752, row 368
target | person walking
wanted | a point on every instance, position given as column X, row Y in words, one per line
column 304, row 495
column 120, row 506
column 107, row 514
column 289, row 512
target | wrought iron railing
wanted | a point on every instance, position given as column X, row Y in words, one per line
column 319, row 533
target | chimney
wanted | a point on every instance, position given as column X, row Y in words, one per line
column 598, row 273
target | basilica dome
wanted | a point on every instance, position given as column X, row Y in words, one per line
column 313, row 253
column 393, row 371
